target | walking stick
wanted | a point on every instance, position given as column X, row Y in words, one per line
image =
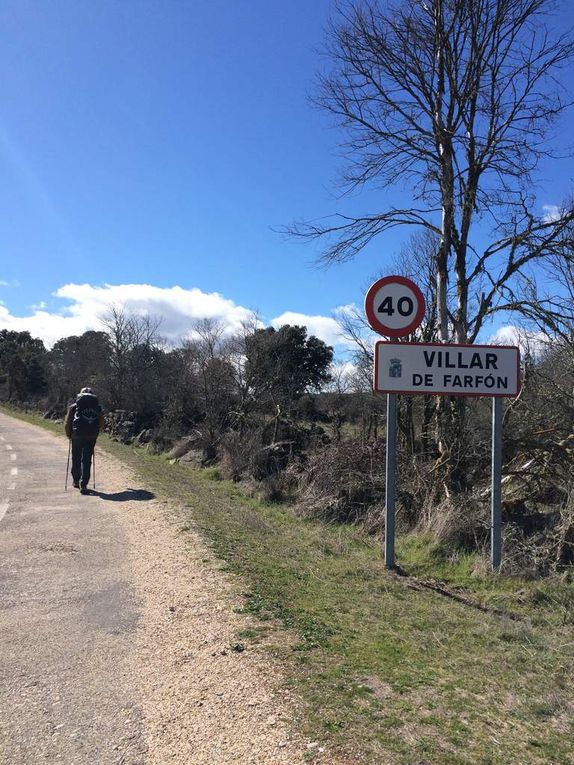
column 94, row 462
column 68, row 465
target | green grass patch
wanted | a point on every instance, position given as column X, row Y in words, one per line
column 386, row 672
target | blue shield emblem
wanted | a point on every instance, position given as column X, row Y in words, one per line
column 395, row 368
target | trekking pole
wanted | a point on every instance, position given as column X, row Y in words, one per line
column 68, row 465
column 94, row 462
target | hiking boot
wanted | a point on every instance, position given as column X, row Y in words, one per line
column 76, row 484
column 84, row 490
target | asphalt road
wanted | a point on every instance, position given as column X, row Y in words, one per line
column 68, row 689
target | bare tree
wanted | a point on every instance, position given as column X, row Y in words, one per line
column 557, row 296
column 455, row 98
column 236, row 349
column 134, row 346
column 211, row 380
column 558, row 320
column 207, row 336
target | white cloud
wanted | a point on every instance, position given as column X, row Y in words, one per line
column 345, row 371
column 3, row 283
column 177, row 307
column 526, row 340
column 351, row 309
column 345, row 368
column 49, row 327
column 324, row 327
column 78, row 308
column 344, row 377
column 552, row 213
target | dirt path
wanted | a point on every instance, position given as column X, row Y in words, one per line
column 115, row 634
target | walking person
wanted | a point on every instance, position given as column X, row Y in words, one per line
column 83, row 422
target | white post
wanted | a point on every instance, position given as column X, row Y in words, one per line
column 390, row 483
column 496, row 498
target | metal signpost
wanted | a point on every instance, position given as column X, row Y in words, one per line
column 395, row 307
column 496, row 492
column 390, row 480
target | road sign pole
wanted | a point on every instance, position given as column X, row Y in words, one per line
column 496, row 498
column 395, row 307
column 391, row 478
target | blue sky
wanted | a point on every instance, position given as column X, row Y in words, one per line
column 157, row 143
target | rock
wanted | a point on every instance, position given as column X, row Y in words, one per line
column 145, row 436
column 193, row 457
column 182, row 447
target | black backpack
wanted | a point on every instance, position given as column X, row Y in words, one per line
column 86, row 422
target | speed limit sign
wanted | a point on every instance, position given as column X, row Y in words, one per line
column 395, row 306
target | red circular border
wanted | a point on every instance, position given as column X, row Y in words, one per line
column 376, row 324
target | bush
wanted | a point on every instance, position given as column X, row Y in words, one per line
column 248, row 456
column 344, row 482
column 461, row 522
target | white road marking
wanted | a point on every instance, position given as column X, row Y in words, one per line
column 14, row 472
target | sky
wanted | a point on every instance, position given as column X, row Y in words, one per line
column 149, row 150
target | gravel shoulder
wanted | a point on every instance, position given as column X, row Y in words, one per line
column 196, row 700
column 203, row 702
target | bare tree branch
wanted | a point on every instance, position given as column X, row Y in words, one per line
column 457, row 98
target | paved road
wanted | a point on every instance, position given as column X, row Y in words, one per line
column 67, row 614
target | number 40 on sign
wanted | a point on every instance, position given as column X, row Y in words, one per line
column 394, row 306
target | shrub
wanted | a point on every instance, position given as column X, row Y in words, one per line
column 344, row 482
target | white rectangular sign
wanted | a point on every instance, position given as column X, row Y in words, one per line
column 453, row 370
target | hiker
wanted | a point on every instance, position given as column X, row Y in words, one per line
column 83, row 421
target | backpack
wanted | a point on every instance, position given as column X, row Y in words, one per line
column 86, row 421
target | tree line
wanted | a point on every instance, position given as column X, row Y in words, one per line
column 214, row 382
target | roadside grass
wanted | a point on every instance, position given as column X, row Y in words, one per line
column 388, row 670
